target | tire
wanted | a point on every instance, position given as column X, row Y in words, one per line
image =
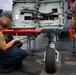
column 50, row 61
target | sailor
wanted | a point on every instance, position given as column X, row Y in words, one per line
column 9, row 36
column 8, row 16
column 10, row 57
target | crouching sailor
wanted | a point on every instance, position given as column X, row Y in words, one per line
column 11, row 57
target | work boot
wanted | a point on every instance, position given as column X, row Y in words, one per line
column 5, row 70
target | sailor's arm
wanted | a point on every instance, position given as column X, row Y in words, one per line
column 5, row 46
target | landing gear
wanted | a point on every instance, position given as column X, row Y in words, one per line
column 51, row 55
column 50, row 61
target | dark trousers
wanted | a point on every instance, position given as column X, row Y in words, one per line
column 12, row 56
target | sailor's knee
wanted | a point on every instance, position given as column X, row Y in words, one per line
column 24, row 53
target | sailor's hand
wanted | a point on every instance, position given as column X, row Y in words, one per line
column 18, row 39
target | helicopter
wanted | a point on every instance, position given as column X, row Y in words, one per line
column 33, row 17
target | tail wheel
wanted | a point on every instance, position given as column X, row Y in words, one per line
column 50, row 61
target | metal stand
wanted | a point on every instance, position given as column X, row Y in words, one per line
column 28, row 44
column 34, row 44
column 74, row 52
